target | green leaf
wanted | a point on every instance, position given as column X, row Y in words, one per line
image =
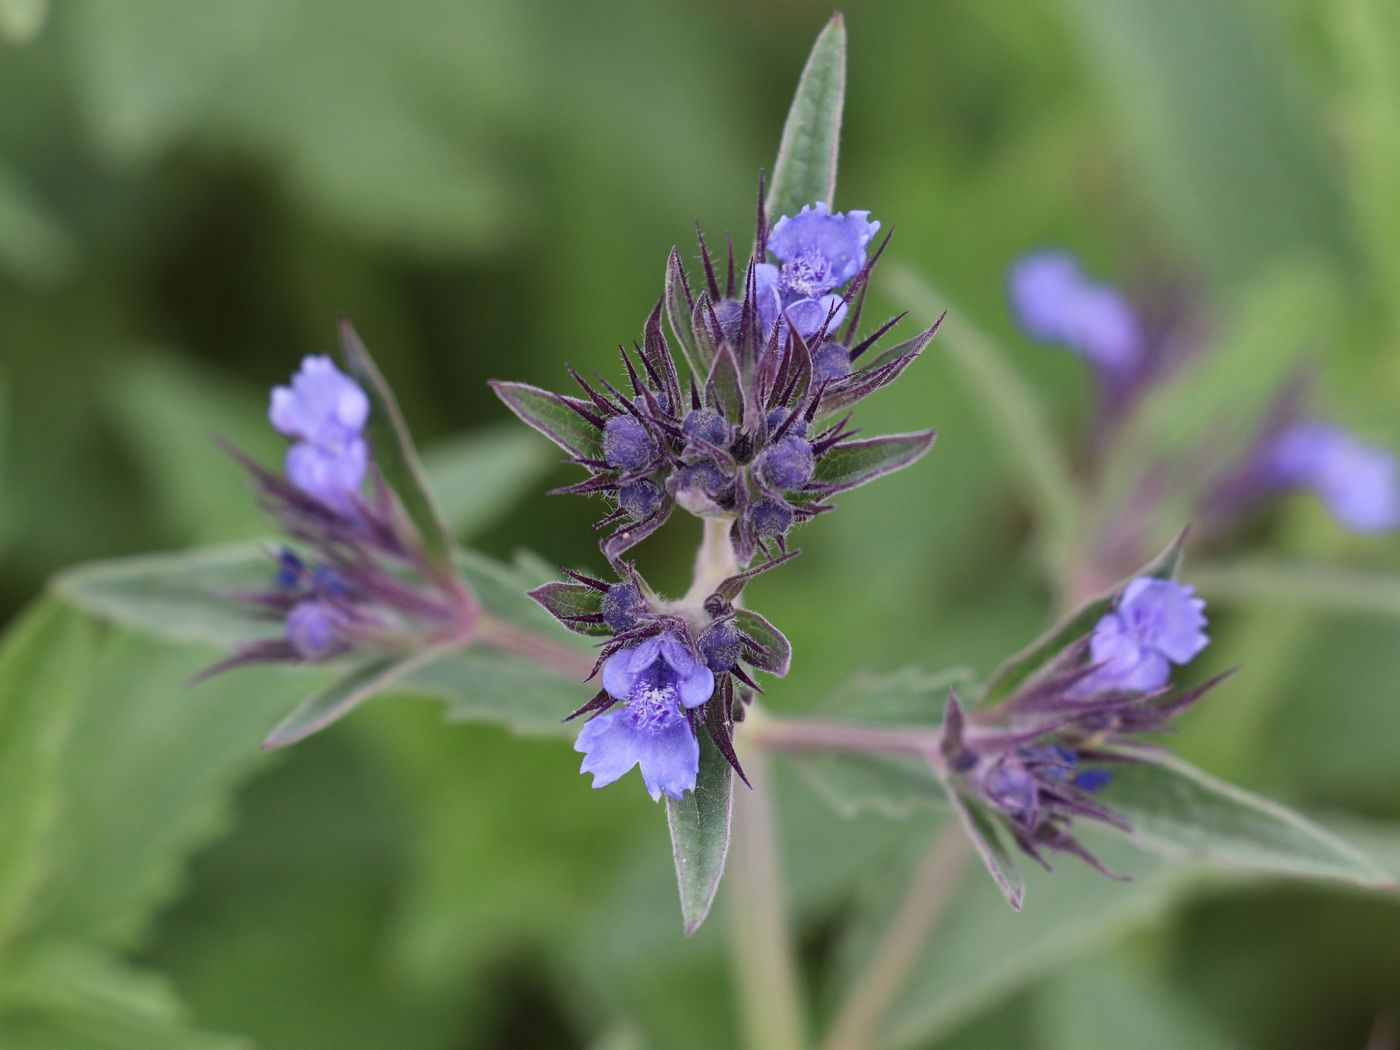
column 805, row 171
column 43, row 667
column 680, row 312
column 478, row 685
column 1325, row 588
column 327, row 706
column 1187, row 815
column 854, row 463
column 700, row 825
column 177, row 597
column 1025, row 664
column 1033, row 452
column 564, row 600
column 22, row 20
column 552, row 416
column 146, row 773
column 776, row 655
column 394, row 453
column 989, row 840
column 66, row 994
column 478, row 478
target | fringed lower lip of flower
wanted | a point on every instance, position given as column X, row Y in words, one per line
column 756, row 435
column 666, row 669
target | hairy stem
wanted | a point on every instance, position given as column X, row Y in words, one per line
column 857, row 1022
column 522, row 642
column 714, row 562
column 770, row 1003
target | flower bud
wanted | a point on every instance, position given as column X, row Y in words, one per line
column 640, row 499
column 778, row 416
column 312, row 627
column 720, row 646
column 705, row 424
column 788, row 464
column 704, row 475
column 769, row 517
column 626, row 443
column 830, row 361
column 621, row 604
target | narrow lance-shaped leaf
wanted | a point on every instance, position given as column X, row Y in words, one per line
column 680, row 311
column 700, row 826
column 805, row 171
column 394, row 453
column 987, row 839
column 1182, row 813
column 1025, row 664
column 854, row 463
column 335, row 701
column 568, row 602
column 555, row 416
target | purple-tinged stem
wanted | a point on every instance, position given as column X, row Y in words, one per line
column 533, row 647
column 804, row 734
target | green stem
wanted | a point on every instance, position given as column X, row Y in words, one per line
column 770, row 1003
column 857, row 1022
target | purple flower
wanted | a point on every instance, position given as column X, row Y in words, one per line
column 313, row 628
column 1360, row 483
column 1156, row 623
column 819, row 252
column 1055, row 303
column 332, row 477
column 324, row 411
column 655, row 681
column 323, row 406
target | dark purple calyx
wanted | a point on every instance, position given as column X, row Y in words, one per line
column 626, row 443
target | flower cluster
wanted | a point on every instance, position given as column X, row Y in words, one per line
column 1037, row 760
column 756, row 435
column 356, row 577
column 670, row 666
column 1054, row 302
column 755, row 438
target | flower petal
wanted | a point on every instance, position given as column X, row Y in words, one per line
column 611, row 745
column 698, row 686
column 670, row 760
column 617, row 675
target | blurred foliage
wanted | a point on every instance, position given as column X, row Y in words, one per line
column 191, row 193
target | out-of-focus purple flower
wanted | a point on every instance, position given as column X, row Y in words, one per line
column 329, row 476
column 324, row 411
column 655, row 681
column 1055, row 303
column 1360, row 483
column 313, row 628
column 819, row 251
column 322, row 405
column 1156, row 623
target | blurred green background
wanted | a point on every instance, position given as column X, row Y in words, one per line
column 191, row 192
